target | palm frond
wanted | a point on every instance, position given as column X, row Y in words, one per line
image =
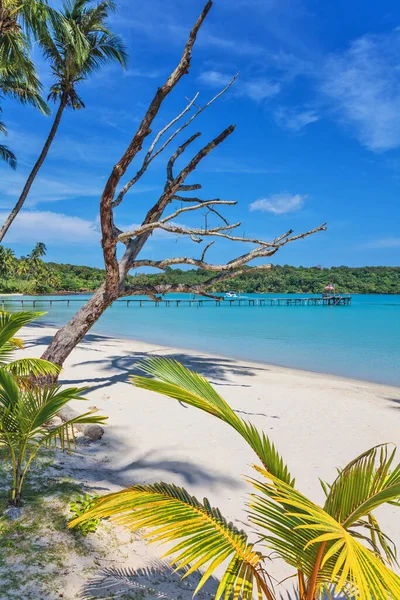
column 9, row 392
column 36, row 367
column 64, row 433
column 362, row 486
column 11, row 323
column 301, row 530
column 172, row 379
column 169, row 514
column 8, row 156
column 18, row 88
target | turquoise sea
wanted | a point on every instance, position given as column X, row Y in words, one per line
column 361, row 341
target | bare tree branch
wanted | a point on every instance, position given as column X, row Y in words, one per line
column 151, row 155
column 244, row 259
column 180, row 229
column 159, row 224
column 137, row 243
column 108, row 240
column 176, row 155
column 199, row 288
column 205, row 249
column 211, row 209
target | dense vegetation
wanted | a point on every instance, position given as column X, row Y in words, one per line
column 31, row 274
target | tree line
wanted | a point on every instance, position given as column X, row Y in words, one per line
column 30, row 274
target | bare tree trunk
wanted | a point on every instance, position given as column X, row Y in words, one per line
column 73, row 332
column 35, row 170
column 69, row 336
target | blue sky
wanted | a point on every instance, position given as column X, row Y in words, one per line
column 317, row 114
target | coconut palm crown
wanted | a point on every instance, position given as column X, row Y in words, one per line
column 80, row 47
column 337, row 548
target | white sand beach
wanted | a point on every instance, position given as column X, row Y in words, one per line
column 318, row 422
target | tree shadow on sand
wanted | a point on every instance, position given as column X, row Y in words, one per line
column 92, row 462
column 395, row 402
column 156, row 581
column 118, row 369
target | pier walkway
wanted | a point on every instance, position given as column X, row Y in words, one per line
column 334, row 300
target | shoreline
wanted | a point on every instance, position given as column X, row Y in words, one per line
column 182, row 349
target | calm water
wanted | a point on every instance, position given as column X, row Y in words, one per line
column 361, row 341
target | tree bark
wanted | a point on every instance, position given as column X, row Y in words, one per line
column 74, row 331
column 35, row 170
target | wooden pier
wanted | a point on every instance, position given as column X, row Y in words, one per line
column 334, row 300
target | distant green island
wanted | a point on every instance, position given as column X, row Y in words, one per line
column 32, row 275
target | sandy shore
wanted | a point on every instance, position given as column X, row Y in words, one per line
column 318, row 422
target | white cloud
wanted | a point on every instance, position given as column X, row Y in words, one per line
column 291, row 64
column 59, row 186
column 363, row 85
column 386, row 242
column 279, row 204
column 71, row 147
column 45, row 189
column 51, row 228
column 295, row 121
column 256, row 89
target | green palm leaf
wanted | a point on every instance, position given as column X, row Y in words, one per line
column 11, row 323
column 362, row 486
column 24, row 415
column 8, row 156
column 172, row 379
column 305, row 535
column 24, row 367
column 169, row 514
column 36, row 367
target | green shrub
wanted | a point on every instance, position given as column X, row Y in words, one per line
column 79, row 507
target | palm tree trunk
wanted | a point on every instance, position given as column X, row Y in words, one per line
column 312, row 583
column 35, row 170
column 16, row 490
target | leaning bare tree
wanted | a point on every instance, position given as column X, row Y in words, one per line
column 115, row 284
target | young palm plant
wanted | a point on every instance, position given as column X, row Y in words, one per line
column 76, row 44
column 337, row 548
column 23, row 416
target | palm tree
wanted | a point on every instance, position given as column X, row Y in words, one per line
column 7, row 261
column 77, row 48
column 338, row 548
column 23, row 266
column 37, row 252
column 23, row 417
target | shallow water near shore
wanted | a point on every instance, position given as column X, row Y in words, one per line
column 360, row 341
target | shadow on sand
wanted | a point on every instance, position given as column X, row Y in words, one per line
column 119, row 368
column 156, row 580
